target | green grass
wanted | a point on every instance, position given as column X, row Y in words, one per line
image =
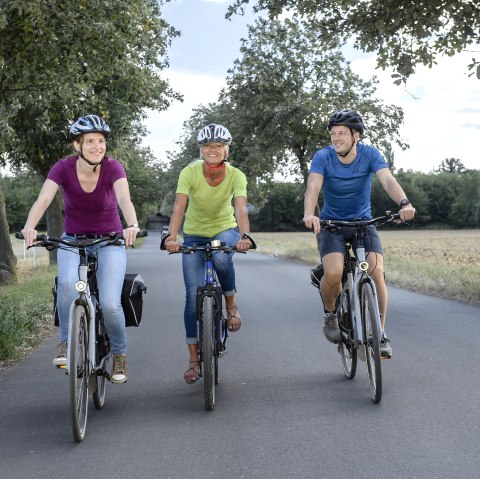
column 25, row 312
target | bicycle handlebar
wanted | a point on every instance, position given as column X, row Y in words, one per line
column 52, row 242
column 360, row 223
column 194, row 248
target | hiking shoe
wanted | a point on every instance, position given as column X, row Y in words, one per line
column 330, row 327
column 385, row 348
column 60, row 358
column 119, row 369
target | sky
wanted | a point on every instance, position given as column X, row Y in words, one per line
column 441, row 105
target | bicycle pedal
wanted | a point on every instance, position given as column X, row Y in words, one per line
column 222, row 353
column 61, row 366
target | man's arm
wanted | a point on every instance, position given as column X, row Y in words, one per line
column 396, row 193
column 314, row 186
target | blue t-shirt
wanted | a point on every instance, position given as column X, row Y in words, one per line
column 346, row 188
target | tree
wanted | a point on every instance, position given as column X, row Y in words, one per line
column 450, row 165
column 60, row 60
column 403, row 33
column 8, row 260
column 282, row 91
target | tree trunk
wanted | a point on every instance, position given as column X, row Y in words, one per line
column 8, row 260
column 55, row 223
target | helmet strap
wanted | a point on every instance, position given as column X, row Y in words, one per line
column 95, row 165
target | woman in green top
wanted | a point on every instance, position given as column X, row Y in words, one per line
column 208, row 186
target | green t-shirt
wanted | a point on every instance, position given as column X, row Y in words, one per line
column 210, row 210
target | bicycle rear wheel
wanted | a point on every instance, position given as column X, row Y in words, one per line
column 208, row 352
column 348, row 352
column 78, row 373
column 372, row 342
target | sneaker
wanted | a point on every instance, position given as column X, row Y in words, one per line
column 385, row 348
column 330, row 328
column 119, row 369
column 60, row 358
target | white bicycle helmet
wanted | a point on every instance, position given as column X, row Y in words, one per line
column 89, row 124
column 214, row 133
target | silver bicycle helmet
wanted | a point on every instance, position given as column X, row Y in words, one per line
column 214, row 133
column 89, row 124
column 349, row 118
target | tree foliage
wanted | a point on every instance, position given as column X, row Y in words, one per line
column 404, row 33
column 61, row 60
column 279, row 96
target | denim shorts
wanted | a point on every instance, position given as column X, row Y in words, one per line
column 334, row 241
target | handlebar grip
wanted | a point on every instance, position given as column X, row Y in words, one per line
column 142, row 234
column 19, row 235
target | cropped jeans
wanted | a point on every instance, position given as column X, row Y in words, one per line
column 112, row 263
column 194, row 275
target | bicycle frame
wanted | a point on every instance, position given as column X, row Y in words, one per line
column 87, row 300
column 354, row 281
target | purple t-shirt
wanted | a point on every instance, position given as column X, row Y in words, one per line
column 89, row 213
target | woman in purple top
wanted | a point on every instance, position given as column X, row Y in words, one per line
column 92, row 185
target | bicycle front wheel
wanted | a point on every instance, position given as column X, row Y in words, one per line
column 372, row 342
column 348, row 352
column 78, row 373
column 208, row 351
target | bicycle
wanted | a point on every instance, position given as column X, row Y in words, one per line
column 212, row 326
column 88, row 361
column 357, row 305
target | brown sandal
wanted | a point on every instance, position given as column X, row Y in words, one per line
column 192, row 374
column 234, row 316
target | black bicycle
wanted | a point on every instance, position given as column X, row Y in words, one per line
column 212, row 325
column 357, row 305
column 88, row 350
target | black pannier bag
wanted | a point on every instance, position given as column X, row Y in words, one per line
column 316, row 275
column 132, row 298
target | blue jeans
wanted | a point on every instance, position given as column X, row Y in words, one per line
column 194, row 275
column 112, row 263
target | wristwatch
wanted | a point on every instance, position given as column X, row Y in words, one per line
column 403, row 203
column 135, row 225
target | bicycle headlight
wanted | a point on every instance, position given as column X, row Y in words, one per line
column 363, row 266
column 80, row 286
column 216, row 243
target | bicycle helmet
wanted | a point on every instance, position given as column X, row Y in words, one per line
column 349, row 118
column 89, row 124
column 214, row 133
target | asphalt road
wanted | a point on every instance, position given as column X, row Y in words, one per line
column 284, row 408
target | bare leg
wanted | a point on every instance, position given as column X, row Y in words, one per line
column 331, row 283
column 234, row 319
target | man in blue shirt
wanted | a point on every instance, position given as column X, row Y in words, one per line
column 344, row 170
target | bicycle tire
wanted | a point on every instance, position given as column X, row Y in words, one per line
column 346, row 347
column 78, row 373
column 103, row 348
column 372, row 342
column 208, row 351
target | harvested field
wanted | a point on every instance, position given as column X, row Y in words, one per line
column 442, row 263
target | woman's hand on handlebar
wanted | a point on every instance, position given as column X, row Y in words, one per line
column 29, row 235
column 130, row 234
column 243, row 245
column 172, row 246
